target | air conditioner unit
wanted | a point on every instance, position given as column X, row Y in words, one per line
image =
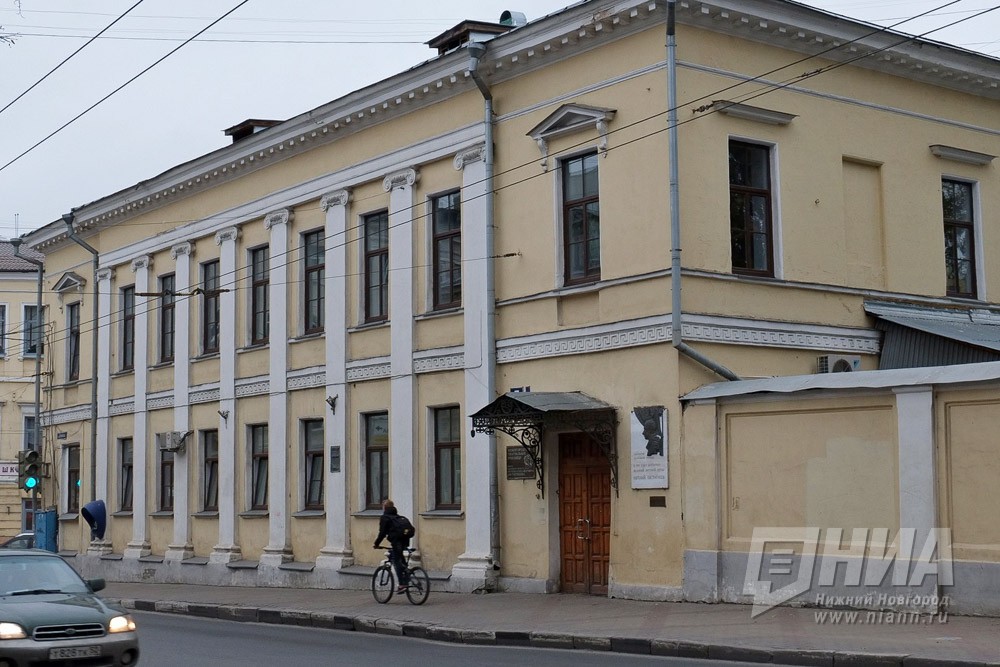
column 171, row 441
column 838, row 363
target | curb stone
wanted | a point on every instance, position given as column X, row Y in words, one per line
column 659, row 647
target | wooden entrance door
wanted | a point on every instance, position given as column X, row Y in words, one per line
column 584, row 515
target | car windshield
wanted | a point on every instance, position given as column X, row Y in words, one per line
column 35, row 575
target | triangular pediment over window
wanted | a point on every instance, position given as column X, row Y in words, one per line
column 69, row 282
column 571, row 118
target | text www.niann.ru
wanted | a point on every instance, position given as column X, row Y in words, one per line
column 832, row 617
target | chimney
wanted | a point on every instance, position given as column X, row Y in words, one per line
column 476, row 31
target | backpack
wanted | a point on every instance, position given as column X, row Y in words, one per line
column 400, row 528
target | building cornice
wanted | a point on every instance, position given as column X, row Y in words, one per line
column 560, row 35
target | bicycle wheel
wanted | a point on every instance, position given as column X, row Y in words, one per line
column 382, row 585
column 420, row 586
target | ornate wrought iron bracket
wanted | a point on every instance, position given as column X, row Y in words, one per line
column 530, row 436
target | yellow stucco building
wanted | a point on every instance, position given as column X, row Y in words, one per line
column 319, row 316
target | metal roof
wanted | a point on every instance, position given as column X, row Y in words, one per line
column 557, row 401
column 979, row 328
column 888, row 379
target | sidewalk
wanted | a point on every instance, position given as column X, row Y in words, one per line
column 719, row 631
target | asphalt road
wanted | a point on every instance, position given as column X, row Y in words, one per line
column 168, row 640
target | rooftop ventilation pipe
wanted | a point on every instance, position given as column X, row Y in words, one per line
column 675, row 215
column 476, row 52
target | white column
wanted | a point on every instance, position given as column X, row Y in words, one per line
column 181, row 547
column 337, row 553
column 145, row 447
column 474, row 565
column 279, row 430
column 402, row 425
column 227, row 549
column 101, row 448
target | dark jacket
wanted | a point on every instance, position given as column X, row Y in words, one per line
column 384, row 525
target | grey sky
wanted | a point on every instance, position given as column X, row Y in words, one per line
column 268, row 60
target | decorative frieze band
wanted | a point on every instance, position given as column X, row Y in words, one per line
column 280, row 217
column 66, row 416
column 399, row 179
column 338, row 198
column 469, row 156
column 204, row 396
column 774, row 337
column 144, row 262
column 441, row 362
column 228, row 234
column 160, row 403
column 123, row 408
column 307, row 380
column 369, row 371
column 258, row 388
column 181, row 249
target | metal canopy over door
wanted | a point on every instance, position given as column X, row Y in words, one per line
column 584, row 515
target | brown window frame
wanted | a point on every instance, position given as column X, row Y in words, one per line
column 378, row 252
column 953, row 226
column 742, row 195
column 259, row 466
column 312, row 449
column 314, row 290
column 128, row 328
column 72, row 453
column 210, row 470
column 126, row 454
column 168, row 305
column 210, row 307
column 380, row 453
column 73, row 341
column 448, row 454
column 260, row 285
column 165, row 497
column 446, row 221
column 588, row 203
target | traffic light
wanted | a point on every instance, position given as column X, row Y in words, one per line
column 29, row 469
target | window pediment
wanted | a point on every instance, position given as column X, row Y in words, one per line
column 570, row 118
column 70, row 282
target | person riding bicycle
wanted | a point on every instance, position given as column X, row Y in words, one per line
column 397, row 540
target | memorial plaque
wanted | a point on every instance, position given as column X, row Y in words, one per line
column 519, row 464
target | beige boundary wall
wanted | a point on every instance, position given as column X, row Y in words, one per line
column 866, row 453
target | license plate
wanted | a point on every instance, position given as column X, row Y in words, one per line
column 74, row 652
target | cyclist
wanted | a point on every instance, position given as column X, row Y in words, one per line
column 397, row 540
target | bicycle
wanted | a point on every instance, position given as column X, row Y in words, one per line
column 383, row 579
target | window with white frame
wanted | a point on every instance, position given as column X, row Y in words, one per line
column 447, row 458
column 376, row 266
column 260, row 281
column 376, row 459
column 959, row 238
column 315, row 270
column 750, row 221
column 168, row 302
column 166, row 477
column 28, row 439
column 210, row 470
column 128, row 328
column 446, row 260
column 210, row 305
column 71, row 492
column 581, row 220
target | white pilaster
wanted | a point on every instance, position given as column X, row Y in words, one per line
column 337, row 552
column 144, row 450
column 102, row 449
column 917, row 504
column 181, row 547
column 227, row 549
column 402, row 425
column 474, row 566
column 278, row 550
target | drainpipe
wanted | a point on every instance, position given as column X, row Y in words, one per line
column 68, row 219
column 16, row 243
column 675, row 213
column 476, row 52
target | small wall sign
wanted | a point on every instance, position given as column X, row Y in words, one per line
column 519, row 463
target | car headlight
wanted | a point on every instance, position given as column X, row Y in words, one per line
column 12, row 631
column 121, row 624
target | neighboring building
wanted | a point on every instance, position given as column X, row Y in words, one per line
column 19, row 338
column 316, row 317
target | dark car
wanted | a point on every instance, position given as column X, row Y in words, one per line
column 20, row 541
column 49, row 614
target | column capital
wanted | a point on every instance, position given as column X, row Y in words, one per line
column 469, row 156
column 280, row 217
column 144, row 262
column 336, row 198
column 105, row 274
column 399, row 179
column 228, row 234
column 181, row 249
